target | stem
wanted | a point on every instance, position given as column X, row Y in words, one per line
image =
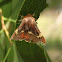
column 4, row 28
column 7, row 54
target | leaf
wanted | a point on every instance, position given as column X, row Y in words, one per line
column 10, row 9
column 32, row 7
column 1, row 47
column 31, row 52
column 26, row 51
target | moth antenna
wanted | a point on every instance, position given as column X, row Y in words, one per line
column 33, row 14
column 17, row 23
column 20, row 20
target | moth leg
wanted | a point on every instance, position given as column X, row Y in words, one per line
column 20, row 20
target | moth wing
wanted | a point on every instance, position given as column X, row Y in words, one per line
column 17, row 31
column 34, row 39
column 27, row 37
column 34, row 29
column 37, row 32
column 20, row 28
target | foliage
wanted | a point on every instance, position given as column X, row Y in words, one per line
column 20, row 51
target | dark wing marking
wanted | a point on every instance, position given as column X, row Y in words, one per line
column 34, row 29
column 31, row 37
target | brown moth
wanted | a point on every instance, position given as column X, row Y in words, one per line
column 28, row 31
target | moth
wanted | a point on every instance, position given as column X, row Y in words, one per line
column 28, row 31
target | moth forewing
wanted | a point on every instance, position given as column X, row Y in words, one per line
column 28, row 31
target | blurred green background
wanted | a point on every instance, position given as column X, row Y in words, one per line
column 49, row 23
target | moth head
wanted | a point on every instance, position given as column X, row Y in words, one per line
column 28, row 15
column 29, row 19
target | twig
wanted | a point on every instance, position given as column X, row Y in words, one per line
column 4, row 28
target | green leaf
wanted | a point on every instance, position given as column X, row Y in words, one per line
column 1, row 47
column 10, row 9
column 31, row 52
column 32, row 7
column 25, row 52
